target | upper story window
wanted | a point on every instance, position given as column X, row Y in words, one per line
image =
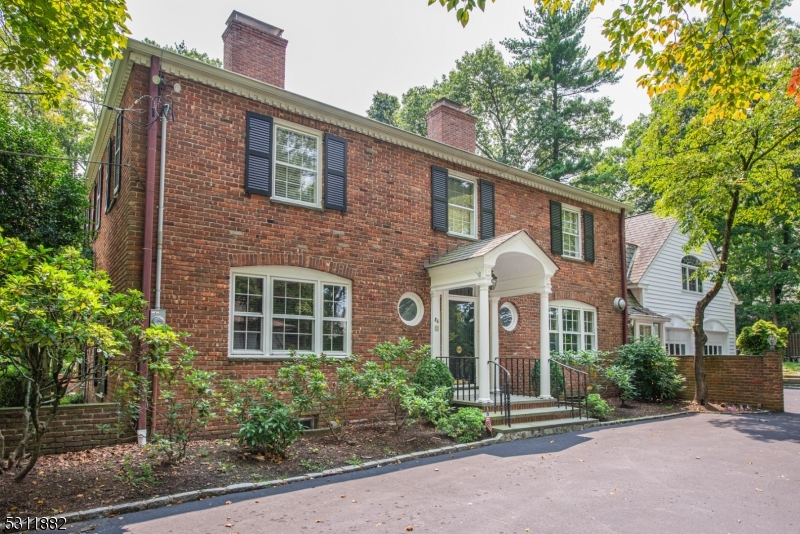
column 689, row 266
column 573, row 327
column 275, row 310
column 571, row 231
column 461, row 206
column 296, row 165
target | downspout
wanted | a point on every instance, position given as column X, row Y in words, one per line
column 623, row 260
column 147, row 246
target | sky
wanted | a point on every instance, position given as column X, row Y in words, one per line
column 342, row 51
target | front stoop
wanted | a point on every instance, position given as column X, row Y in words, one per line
column 537, row 429
column 791, row 381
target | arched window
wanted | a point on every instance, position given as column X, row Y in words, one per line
column 689, row 266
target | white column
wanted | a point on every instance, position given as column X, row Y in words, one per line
column 483, row 345
column 436, row 324
column 544, row 345
column 494, row 312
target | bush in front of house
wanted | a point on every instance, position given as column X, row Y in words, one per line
column 431, row 375
column 655, row 374
column 754, row 339
column 598, row 408
column 12, row 389
column 466, row 425
column 270, row 430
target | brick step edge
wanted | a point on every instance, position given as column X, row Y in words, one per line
column 190, row 496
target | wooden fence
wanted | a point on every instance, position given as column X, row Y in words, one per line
column 793, row 349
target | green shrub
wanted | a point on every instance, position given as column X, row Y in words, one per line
column 622, row 378
column 433, row 406
column 753, row 339
column 270, row 430
column 558, row 383
column 654, row 372
column 466, row 425
column 12, row 389
column 598, row 408
column 431, row 375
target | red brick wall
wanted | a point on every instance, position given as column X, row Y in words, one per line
column 749, row 380
column 452, row 127
column 73, row 429
column 380, row 243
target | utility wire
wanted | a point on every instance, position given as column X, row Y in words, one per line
column 47, row 156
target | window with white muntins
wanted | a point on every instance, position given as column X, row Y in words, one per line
column 689, row 266
column 275, row 310
column 573, row 327
column 571, row 230
column 297, row 161
column 461, row 206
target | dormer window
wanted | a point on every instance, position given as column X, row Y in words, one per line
column 689, row 267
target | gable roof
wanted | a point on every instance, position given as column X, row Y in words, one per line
column 139, row 53
column 648, row 233
column 637, row 311
column 472, row 250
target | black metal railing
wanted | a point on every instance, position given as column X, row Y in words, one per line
column 500, row 380
column 464, row 370
column 521, row 376
column 570, row 387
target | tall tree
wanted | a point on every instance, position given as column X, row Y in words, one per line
column 683, row 52
column 384, row 108
column 572, row 128
column 714, row 177
column 182, row 49
column 40, row 40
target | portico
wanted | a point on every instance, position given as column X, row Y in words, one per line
column 466, row 287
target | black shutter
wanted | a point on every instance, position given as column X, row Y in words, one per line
column 439, row 198
column 588, row 236
column 118, row 154
column 109, row 175
column 556, row 237
column 335, row 173
column 258, row 155
column 487, row 209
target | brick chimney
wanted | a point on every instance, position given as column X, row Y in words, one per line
column 254, row 49
column 452, row 124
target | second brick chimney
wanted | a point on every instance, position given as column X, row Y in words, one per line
column 452, row 124
column 254, row 49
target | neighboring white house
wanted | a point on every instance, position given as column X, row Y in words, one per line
column 662, row 290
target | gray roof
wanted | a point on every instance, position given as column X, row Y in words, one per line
column 636, row 310
column 472, row 250
column 648, row 233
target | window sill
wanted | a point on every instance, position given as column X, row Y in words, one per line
column 462, row 236
column 111, row 204
column 694, row 293
column 572, row 258
column 275, row 357
column 312, row 207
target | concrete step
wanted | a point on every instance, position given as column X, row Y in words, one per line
column 535, row 414
column 543, row 428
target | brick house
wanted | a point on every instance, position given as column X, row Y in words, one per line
column 291, row 224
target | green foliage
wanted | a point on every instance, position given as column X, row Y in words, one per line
column 12, row 388
column 187, row 396
column 466, row 425
column 558, row 384
column 654, row 373
column 54, row 307
column 623, row 378
column 431, row 405
column 238, row 398
column 754, row 339
column 270, row 430
column 431, row 375
column 598, row 408
column 384, row 108
column 182, row 49
column 134, row 475
column 42, row 203
column 51, row 43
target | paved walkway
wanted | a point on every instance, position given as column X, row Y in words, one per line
column 693, row 474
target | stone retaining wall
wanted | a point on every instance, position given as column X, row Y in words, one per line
column 749, row 380
column 75, row 427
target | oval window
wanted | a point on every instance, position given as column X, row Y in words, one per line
column 410, row 309
column 508, row 316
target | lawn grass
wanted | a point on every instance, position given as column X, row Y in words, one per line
column 791, row 367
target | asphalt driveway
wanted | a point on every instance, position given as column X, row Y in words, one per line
column 697, row 474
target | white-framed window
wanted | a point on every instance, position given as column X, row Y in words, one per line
column 508, row 315
column 648, row 330
column 677, row 340
column 275, row 310
column 689, row 266
column 714, row 343
column 573, row 326
column 410, row 309
column 461, row 201
column 571, row 232
column 712, row 350
column 296, row 168
column 676, row 349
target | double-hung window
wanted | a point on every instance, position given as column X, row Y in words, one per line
column 461, row 207
column 689, row 266
column 297, row 158
column 571, row 230
column 573, row 327
column 276, row 310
